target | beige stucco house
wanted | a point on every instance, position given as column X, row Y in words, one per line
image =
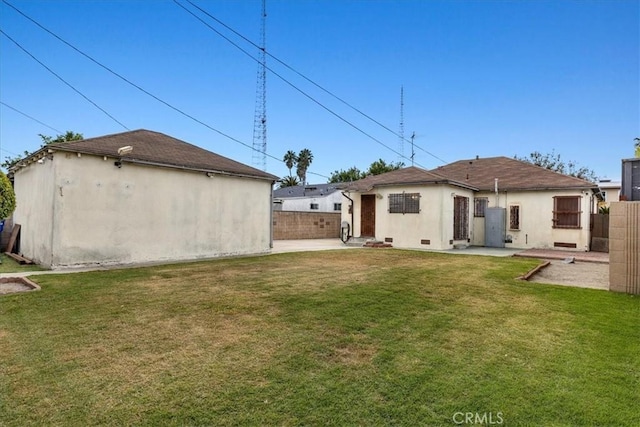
column 496, row 202
column 138, row 197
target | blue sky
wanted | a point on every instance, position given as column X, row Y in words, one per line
column 487, row 78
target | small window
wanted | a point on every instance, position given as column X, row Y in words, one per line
column 479, row 206
column 514, row 217
column 404, row 203
column 337, row 206
column 566, row 212
column 314, row 206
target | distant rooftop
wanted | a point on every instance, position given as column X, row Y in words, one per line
column 309, row 190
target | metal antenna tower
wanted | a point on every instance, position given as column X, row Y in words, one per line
column 260, row 116
column 413, row 153
column 401, row 130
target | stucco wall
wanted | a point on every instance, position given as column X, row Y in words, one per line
column 35, row 192
column 303, row 204
column 536, row 219
column 434, row 223
column 135, row 214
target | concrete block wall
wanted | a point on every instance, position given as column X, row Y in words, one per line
column 624, row 247
column 289, row 225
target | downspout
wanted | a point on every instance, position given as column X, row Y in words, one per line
column 271, row 217
column 351, row 209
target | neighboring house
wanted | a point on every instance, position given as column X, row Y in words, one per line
column 609, row 192
column 137, row 197
column 308, row 198
column 456, row 205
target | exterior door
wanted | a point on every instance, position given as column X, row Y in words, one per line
column 494, row 227
column 368, row 215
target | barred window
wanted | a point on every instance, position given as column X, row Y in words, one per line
column 337, row 206
column 566, row 212
column 514, row 217
column 404, row 203
column 479, row 206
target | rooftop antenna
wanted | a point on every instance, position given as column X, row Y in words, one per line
column 260, row 116
column 401, row 130
column 413, row 152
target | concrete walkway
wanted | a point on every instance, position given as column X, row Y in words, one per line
column 599, row 257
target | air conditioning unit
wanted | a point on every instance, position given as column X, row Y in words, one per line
column 630, row 180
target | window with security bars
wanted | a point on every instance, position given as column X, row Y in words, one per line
column 566, row 211
column 460, row 218
column 514, row 217
column 479, row 206
column 404, row 203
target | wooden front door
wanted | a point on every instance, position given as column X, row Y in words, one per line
column 368, row 215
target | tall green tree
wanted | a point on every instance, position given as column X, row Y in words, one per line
column 288, row 181
column 552, row 161
column 354, row 174
column 46, row 140
column 380, row 166
column 305, row 158
column 7, row 197
column 349, row 175
column 290, row 159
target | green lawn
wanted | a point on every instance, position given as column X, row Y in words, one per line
column 8, row 265
column 357, row 337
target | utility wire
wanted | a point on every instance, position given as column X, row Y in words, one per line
column 284, row 64
column 292, row 85
column 29, row 117
column 137, row 86
column 62, row 80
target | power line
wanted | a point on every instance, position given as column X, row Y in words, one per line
column 63, row 80
column 328, row 92
column 167, row 104
column 133, row 84
column 292, row 85
column 29, row 117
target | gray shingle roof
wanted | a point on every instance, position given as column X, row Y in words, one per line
column 406, row 176
column 512, row 174
column 160, row 149
column 311, row 190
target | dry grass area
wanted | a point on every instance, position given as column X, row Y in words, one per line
column 359, row 337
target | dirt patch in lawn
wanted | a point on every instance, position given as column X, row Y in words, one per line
column 581, row 274
column 11, row 285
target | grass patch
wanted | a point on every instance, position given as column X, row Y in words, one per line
column 358, row 337
column 9, row 265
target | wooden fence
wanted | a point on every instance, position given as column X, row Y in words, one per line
column 599, row 233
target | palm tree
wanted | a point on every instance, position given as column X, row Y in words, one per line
column 304, row 161
column 288, row 181
column 290, row 159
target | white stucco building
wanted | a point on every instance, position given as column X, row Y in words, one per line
column 138, row 197
column 496, row 202
column 308, row 198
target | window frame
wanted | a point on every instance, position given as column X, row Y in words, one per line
column 337, row 207
column 314, row 206
column 562, row 215
column 514, row 225
column 404, row 203
column 480, row 208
